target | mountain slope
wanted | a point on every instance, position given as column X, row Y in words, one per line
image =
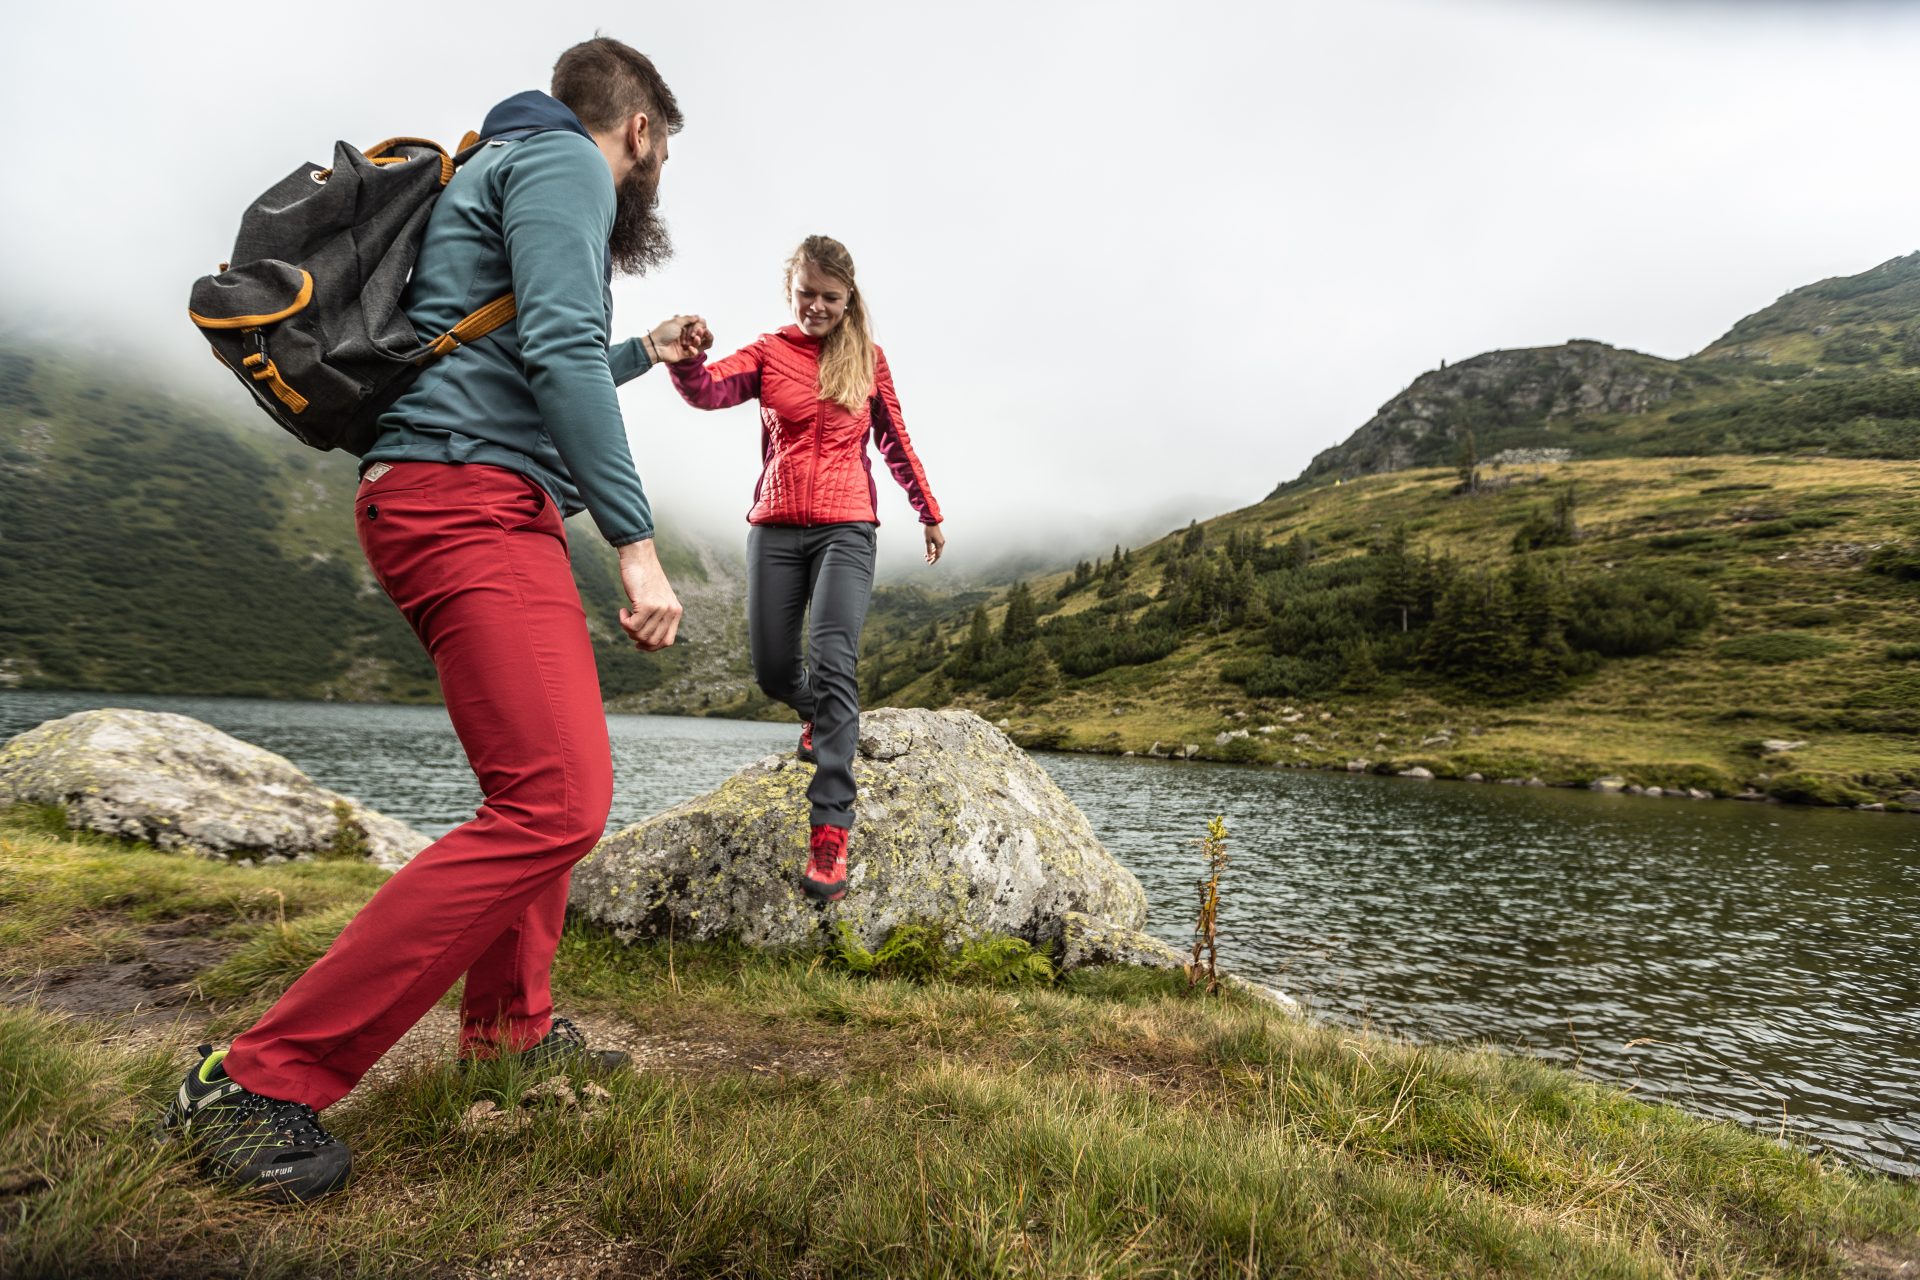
column 1866, row 321
column 1829, row 368
column 150, row 544
column 1660, row 619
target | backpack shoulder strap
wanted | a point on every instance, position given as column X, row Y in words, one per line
column 502, row 309
column 473, row 328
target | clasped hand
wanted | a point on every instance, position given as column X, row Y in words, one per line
column 681, row 338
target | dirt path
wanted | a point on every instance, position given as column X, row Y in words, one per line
column 149, row 1001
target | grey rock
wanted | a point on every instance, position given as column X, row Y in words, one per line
column 1608, row 784
column 178, row 783
column 1085, row 940
column 954, row 825
column 1418, row 771
column 1778, row 746
column 1909, row 798
column 1476, row 777
column 1656, row 792
column 1359, row 766
column 1694, row 793
column 1260, row 991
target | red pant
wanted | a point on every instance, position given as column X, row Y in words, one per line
column 476, row 559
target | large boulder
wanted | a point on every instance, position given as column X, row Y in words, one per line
column 954, row 825
column 180, row 784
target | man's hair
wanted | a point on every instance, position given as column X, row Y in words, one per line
column 605, row 82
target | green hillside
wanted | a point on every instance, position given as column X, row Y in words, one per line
column 1672, row 622
column 149, row 543
column 1827, row 369
column 1564, row 564
column 1868, row 321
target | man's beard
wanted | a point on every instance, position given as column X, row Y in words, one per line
column 639, row 241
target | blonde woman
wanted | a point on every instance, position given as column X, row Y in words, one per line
column 823, row 386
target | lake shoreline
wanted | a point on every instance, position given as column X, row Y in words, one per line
column 1390, row 906
column 1532, row 780
column 1634, row 777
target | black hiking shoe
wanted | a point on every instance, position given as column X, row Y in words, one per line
column 564, row 1048
column 805, row 750
column 254, row 1142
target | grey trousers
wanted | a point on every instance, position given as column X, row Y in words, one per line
column 831, row 567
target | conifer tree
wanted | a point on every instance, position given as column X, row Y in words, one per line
column 1018, row 627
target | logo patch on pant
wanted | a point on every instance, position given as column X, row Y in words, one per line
column 374, row 472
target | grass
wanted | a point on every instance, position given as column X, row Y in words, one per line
column 1810, row 643
column 1110, row 1124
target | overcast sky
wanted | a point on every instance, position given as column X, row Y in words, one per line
column 1131, row 262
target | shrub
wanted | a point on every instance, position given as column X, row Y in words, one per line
column 1636, row 612
column 1898, row 560
column 1903, row 653
column 1243, row 751
column 1776, row 646
column 1287, row 677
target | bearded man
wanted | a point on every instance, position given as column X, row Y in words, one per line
column 459, row 511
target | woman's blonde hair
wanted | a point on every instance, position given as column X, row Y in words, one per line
column 846, row 357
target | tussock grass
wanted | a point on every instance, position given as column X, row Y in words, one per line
column 1109, row 1124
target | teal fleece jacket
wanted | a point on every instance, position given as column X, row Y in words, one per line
column 532, row 214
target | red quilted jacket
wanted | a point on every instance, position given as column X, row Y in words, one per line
column 814, row 465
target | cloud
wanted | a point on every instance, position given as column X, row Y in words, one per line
column 1119, row 254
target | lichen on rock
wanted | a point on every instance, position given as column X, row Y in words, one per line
column 954, row 826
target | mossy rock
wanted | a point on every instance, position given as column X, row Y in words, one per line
column 955, row 827
column 178, row 783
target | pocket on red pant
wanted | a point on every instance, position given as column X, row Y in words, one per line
column 519, row 506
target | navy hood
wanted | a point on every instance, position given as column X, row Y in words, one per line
column 531, row 110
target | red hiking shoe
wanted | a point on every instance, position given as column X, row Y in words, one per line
column 826, row 875
column 806, row 743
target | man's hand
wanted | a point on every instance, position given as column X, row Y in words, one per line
column 654, row 618
column 681, row 338
column 936, row 542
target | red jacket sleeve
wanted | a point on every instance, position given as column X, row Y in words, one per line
column 890, row 433
column 722, row 384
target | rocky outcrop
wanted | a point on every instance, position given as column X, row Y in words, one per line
column 955, row 825
column 1539, row 386
column 178, row 783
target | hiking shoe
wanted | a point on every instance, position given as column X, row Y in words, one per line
column 563, row 1047
column 255, row 1142
column 566, row 1046
column 826, row 875
column 805, row 751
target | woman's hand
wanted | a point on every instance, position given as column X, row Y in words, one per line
column 936, row 542
column 681, row 338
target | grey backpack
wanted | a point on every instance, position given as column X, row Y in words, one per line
column 308, row 311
